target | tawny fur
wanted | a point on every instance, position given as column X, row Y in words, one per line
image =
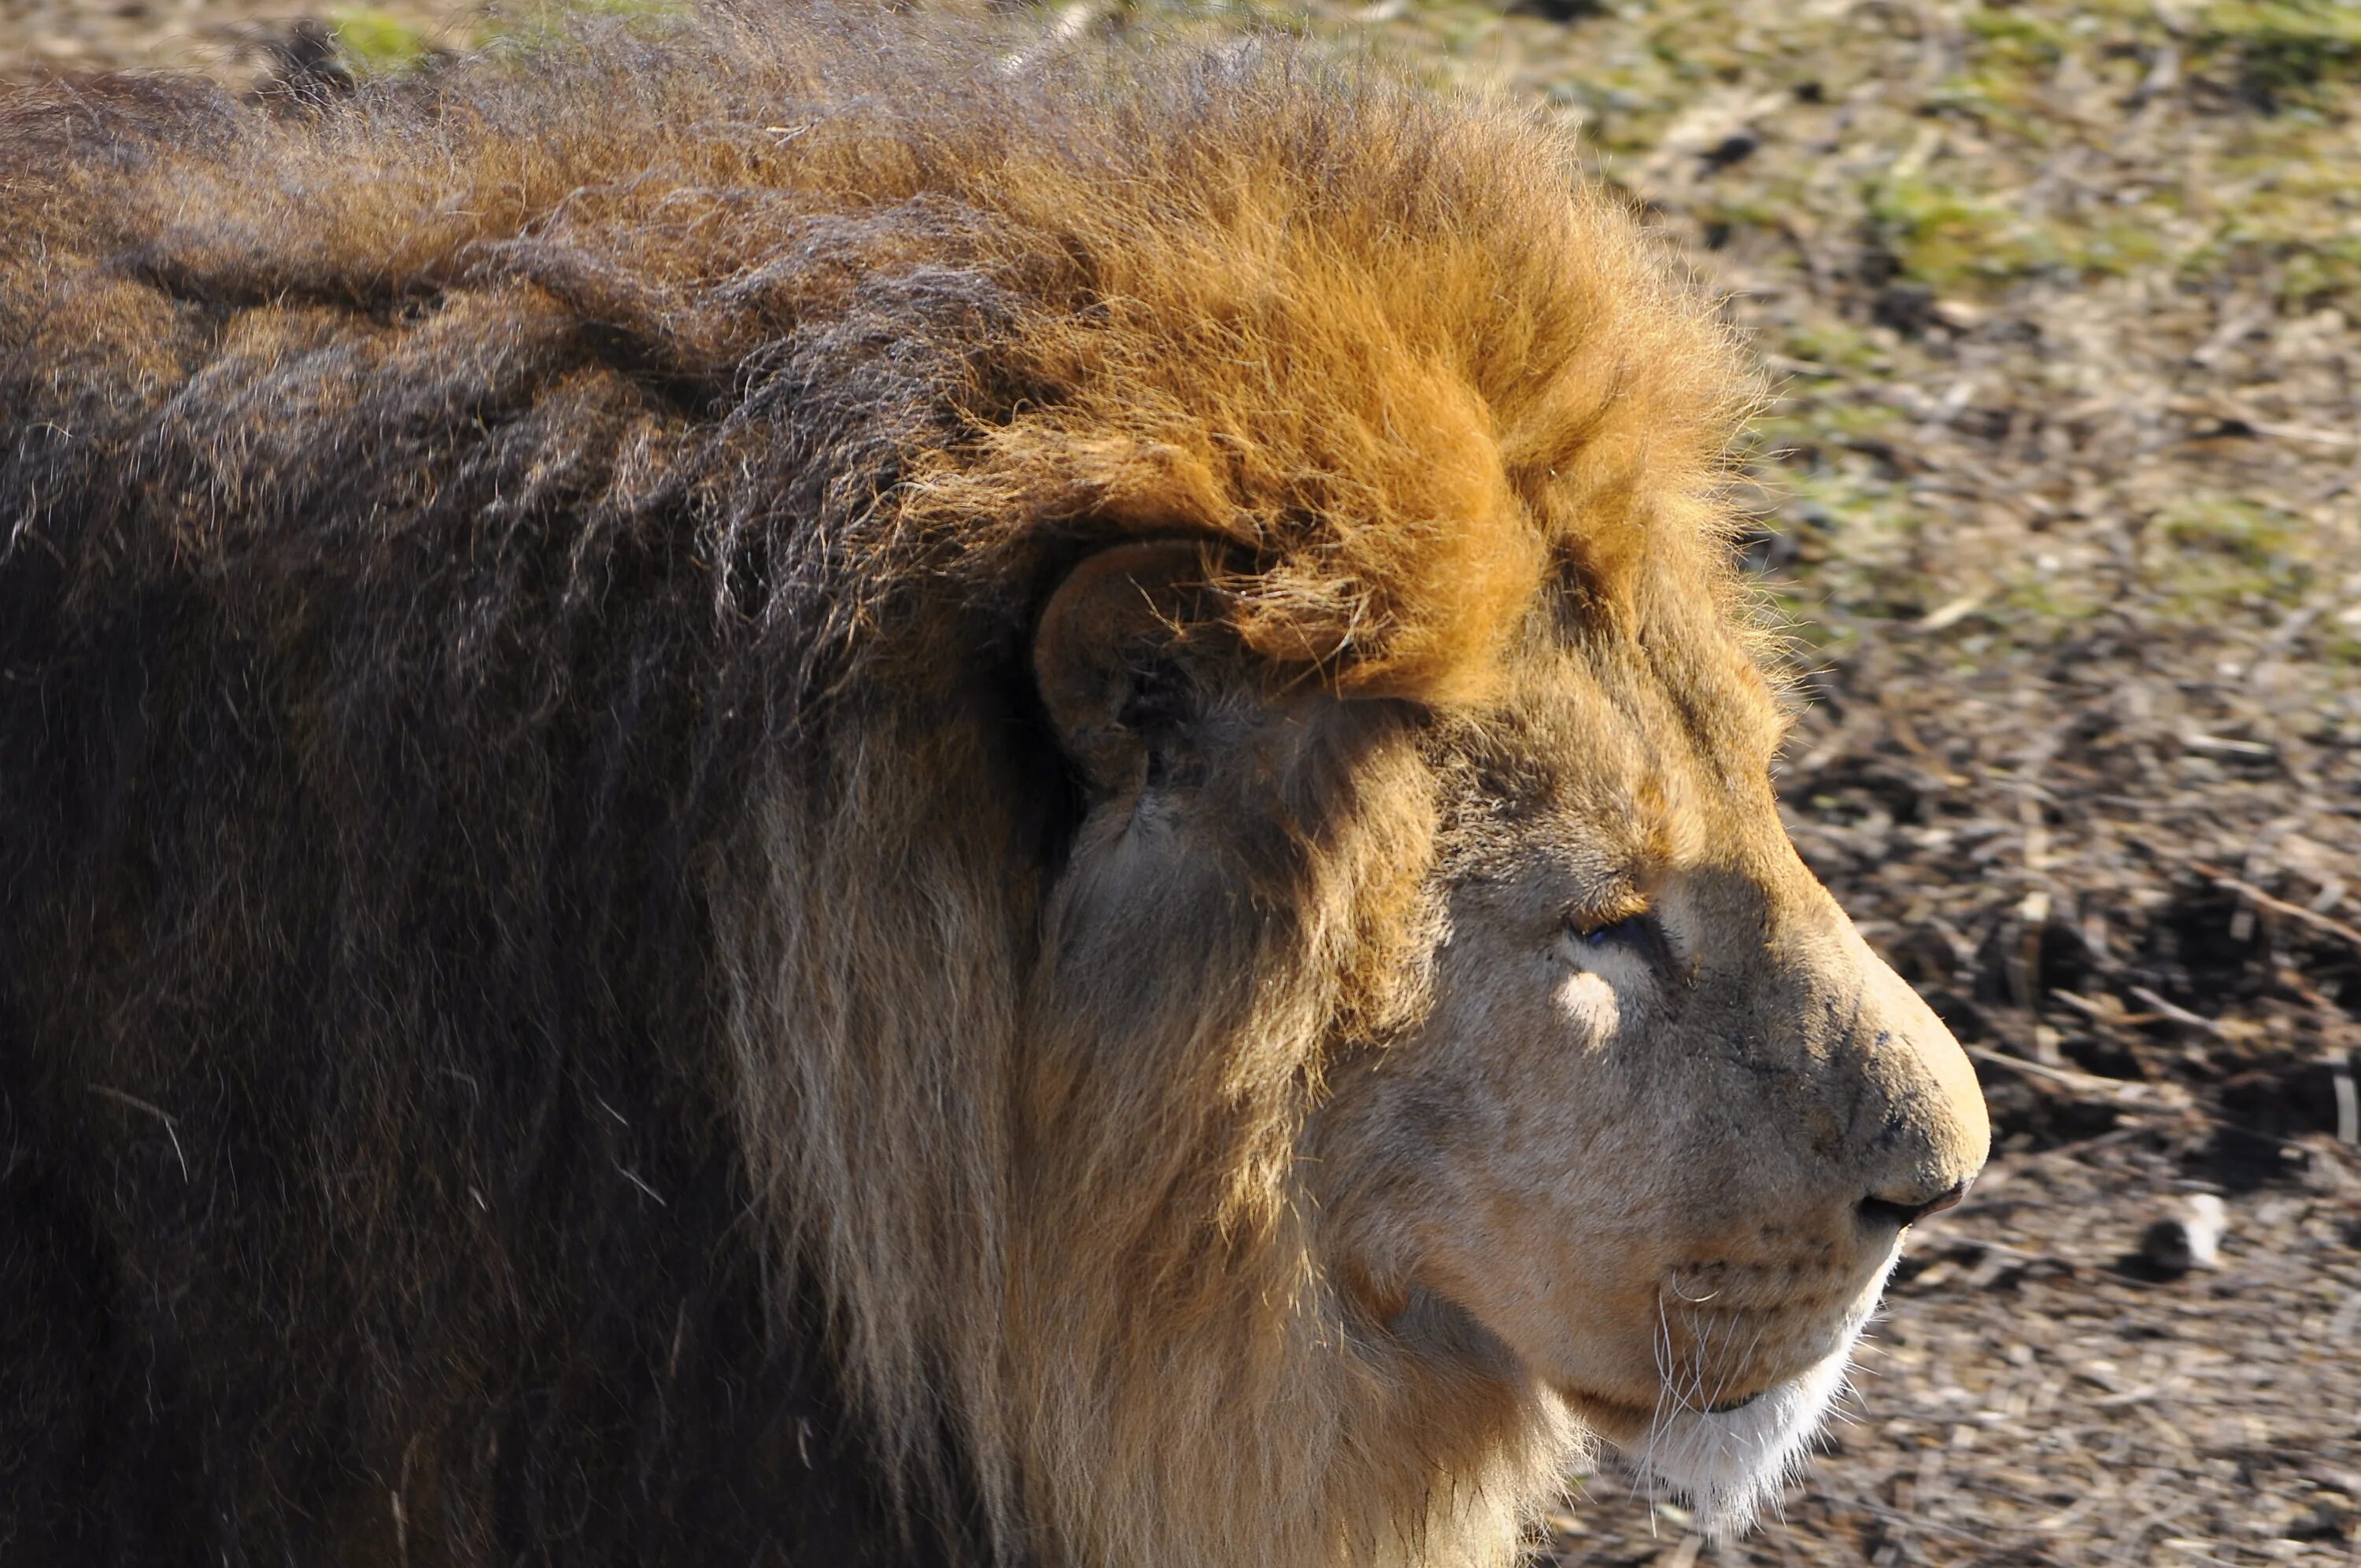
column 532, row 902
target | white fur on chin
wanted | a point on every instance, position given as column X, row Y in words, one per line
column 1729, row 1468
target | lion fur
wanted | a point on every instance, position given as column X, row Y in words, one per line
column 524, row 1017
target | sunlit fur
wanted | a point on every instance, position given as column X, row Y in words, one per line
column 718, row 985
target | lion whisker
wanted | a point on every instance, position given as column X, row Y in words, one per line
column 1673, row 1281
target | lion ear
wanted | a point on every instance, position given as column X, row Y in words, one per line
column 1117, row 652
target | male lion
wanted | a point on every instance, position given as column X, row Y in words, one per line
column 827, row 791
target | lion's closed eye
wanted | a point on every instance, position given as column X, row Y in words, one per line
column 1625, row 928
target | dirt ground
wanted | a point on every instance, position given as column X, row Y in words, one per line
column 2061, row 486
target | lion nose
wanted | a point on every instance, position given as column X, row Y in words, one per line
column 1897, row 1212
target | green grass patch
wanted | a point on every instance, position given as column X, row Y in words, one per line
column 2285, row 47
column 530, row 23
column 2295, row 223
column 1948, row 235
column 2037, row 608
column 371, row 43
column 1833, row 342
column 2114, row 247
column 2213, row 551
column 2017, row 38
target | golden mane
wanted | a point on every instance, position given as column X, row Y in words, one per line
column 1397, row 349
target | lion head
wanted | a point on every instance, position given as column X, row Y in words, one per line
column 1124, row 663
column 1561, row 1098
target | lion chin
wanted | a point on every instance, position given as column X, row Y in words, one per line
column 1730, row 1466
column 1731, row 1463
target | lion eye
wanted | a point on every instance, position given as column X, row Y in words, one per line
column 1607, row 933
column 1636, row 932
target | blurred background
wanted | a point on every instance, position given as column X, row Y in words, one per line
column 2061, row 487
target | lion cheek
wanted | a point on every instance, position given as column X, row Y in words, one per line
column 1563, row 1300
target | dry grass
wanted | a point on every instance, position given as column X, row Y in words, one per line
column 2064, row 494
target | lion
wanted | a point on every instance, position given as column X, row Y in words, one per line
column 809, row 787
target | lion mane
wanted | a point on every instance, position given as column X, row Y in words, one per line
column 532, row 1021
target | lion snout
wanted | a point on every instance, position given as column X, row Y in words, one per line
column 1931, row 1133
column 1888, row 1120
